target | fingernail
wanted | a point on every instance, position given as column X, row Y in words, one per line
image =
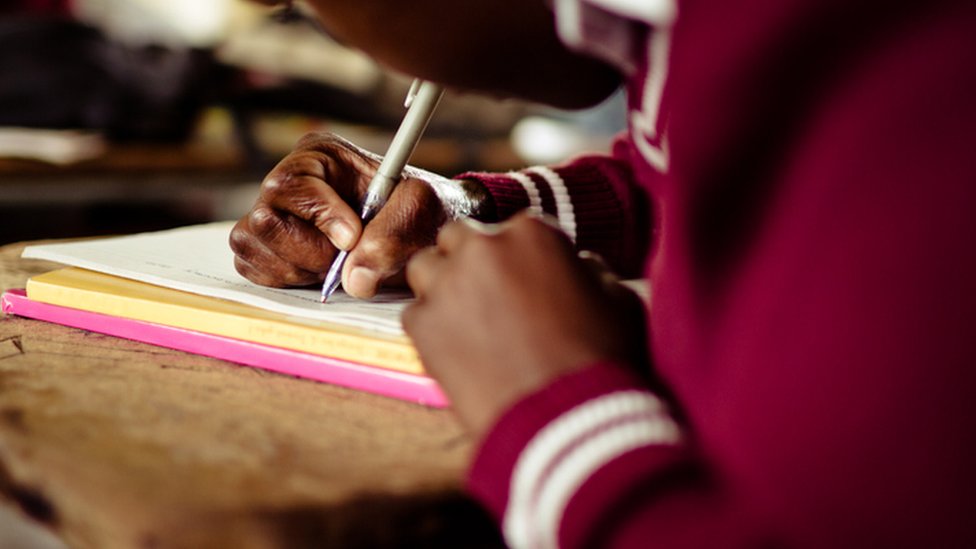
column 363, row 282
column 341, row 235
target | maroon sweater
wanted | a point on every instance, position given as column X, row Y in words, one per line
column 812, row 169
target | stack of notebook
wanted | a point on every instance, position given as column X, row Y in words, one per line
column 179, row 289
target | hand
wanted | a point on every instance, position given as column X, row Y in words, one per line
column 303, row 215
column 503, row 311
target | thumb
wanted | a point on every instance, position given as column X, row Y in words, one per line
column 407, row 223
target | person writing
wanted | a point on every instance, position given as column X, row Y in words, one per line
column 796, row 182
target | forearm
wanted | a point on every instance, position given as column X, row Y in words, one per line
column 507, row 48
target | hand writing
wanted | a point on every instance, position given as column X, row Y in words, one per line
column 308, row 208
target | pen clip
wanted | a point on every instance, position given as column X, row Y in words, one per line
column 412, row 93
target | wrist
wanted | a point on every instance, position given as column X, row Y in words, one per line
column 460, row 198
column 483, row 205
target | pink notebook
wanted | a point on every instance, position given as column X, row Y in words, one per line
column 400, row 385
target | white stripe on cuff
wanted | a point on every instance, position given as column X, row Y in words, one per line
column 564, row 204
column 535, row 199
column 583, row 461
column 568, row 450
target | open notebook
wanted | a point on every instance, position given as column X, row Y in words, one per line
column 198, row 260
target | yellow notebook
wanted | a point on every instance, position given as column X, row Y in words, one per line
column 111, row 295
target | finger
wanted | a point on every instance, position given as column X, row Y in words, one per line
column 345, row 166
column 291, row 239
column 407, row 223
column 301, row 186
column 261, row 265
column 453, row 235
column 264, row 268
column 423, row 269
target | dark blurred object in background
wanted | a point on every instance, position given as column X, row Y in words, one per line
column 59, row 73
column 35, row 6
column 121, row 116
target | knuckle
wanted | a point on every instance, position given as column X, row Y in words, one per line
column 287, row 176
column 242, row 267
column 274, row 274
column 245, row 269
column 296, row 277
column 264, row 223
column 314, row 140
column 322, row 141
column 240, row 240
column 282, row 183
column 322, row 215
column 272, row 185
column 380, row 254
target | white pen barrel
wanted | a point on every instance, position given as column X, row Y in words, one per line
column 419, row 110
column 413, row 126
column 379, row 190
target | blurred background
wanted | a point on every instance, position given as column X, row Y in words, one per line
column 119, row 116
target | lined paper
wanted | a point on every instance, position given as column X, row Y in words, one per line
column 198, row 259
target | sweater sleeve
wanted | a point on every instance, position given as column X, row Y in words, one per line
column 597, row 460
column 828, row 386
column 593, row 197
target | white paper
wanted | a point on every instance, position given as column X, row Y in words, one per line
column 198, row 259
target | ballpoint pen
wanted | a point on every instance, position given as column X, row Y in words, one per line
column 421, row 101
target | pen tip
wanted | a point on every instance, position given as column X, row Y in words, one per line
column 328, row 289
column 334, row 276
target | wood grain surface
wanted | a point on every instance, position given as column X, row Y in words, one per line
column 113, row 443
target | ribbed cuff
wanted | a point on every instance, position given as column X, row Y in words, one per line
column 592, row 198
column 508, row 195
column 490, row 474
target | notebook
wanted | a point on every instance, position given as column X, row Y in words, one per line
column 184, row 279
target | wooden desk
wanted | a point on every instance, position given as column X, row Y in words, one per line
column 113, row 443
